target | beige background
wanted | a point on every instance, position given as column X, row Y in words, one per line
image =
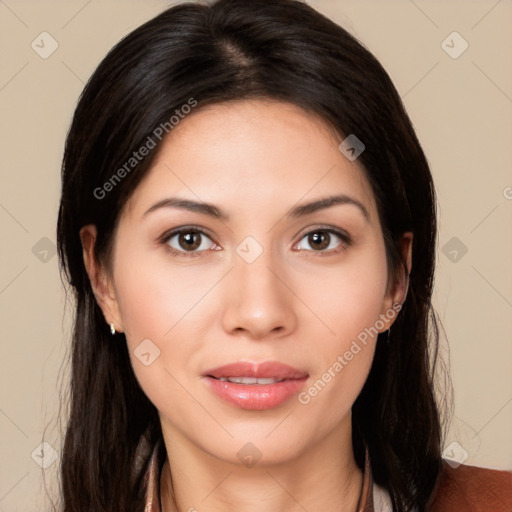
column 461, row 109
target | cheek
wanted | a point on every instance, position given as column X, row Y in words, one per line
column 348, row 303
column 154, row 307
column 162, row 305
column 346, row 298
column 155, row 294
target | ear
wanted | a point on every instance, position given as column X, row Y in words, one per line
column 397, row 290
column 101, row 282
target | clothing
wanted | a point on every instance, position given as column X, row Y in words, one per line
column 461, row 489
column 473, row 489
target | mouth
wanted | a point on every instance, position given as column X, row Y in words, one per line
column 255, row 386
column 250, row 381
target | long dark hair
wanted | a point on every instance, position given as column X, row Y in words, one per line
column 232, row 50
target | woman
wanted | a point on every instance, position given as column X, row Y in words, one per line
column 248, row 224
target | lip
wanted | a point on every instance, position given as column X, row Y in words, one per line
column 256, row 397
column 267, row 369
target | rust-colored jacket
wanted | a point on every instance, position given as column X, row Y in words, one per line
column 473, row 489
column 460, row 489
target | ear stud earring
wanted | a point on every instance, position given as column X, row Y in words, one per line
column 112, row 328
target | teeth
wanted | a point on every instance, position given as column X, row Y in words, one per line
column 249, row 380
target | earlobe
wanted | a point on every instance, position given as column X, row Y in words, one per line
column 100, row 283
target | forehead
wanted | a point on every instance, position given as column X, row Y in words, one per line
column 252, row 155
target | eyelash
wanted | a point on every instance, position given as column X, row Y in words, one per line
column 346, row 241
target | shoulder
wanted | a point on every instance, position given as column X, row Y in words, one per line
column 472, row 489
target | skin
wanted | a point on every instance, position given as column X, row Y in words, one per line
column 256, row 160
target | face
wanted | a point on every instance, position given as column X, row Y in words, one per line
column 261, row 280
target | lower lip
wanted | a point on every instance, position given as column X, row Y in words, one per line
column 256, row 397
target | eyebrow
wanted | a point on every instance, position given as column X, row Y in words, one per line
column 296, row 212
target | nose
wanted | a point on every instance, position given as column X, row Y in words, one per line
column 258, row 300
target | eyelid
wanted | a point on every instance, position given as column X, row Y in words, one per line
column 183, row 229
column 324, row 227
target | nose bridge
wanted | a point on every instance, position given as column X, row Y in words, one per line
column 257, row 299
column 254, row 268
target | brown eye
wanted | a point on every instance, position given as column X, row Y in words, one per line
column 187, row 242
column 319, row 240
column 324, row 241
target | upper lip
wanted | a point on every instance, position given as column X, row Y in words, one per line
column 267, row 369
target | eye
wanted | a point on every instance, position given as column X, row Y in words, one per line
column 187, row 242
column 321, row 239
column 190, row 241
